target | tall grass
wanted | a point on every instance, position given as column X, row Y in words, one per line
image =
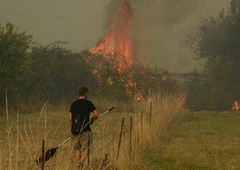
column 21, row 142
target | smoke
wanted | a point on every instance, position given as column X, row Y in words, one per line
column 117, row 16
column 165, row 14
column 159, row 28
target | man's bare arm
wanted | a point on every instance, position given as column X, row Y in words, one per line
column 70, row 116
column 95, row 116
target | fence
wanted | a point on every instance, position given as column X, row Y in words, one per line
column 119, row 149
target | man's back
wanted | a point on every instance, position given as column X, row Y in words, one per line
column 80, row 110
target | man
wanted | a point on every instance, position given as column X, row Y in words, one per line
column 79, row 114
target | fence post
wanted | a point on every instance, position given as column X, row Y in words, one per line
column 43, row 154
column 120, row 138
column 141, row 122
column 150, row 112
column 130, row 144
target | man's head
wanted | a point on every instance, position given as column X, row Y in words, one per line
column 83, row 91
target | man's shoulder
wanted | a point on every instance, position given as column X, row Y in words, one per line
column 76, row 101
column 82, row 101
column 88, row 100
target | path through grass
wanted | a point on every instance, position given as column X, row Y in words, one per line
column 201, row 140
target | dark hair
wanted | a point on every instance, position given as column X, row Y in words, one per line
column 82, row 90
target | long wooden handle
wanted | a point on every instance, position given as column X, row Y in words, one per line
column 106, row 112
column 64, row 141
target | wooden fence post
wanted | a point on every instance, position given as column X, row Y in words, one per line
column 141, row 121
column 150, row 114
column 130, row 144
column 43, row 154
column 120, row 138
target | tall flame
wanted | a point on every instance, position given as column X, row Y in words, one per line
column 117, row 40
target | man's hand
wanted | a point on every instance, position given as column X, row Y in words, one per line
column 92, row 120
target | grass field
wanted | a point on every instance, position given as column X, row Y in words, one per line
column 22, row 135
column 201, row 140
column 171, row 139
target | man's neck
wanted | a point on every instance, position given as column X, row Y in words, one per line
column 82, row 97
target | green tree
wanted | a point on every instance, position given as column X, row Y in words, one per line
column 14, row 56
column 217, row 44
column 57, row 73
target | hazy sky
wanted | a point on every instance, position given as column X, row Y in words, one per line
column 78, row 21
column 83, row 22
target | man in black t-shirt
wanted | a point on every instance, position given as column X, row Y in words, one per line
column 79, row 114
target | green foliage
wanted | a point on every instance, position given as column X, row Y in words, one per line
column 197, row 91
column 14, row 55
column 57, row 73
column 217, row 43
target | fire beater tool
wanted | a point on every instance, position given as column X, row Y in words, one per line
column 50, row 153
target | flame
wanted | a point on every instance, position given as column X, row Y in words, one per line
column 236, row 106
column 117, row 40
column 181, row 100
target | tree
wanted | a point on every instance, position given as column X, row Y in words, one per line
column 14, row 56
column 217, row 43
column 57, row 73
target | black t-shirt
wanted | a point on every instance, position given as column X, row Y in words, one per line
column 83, row 108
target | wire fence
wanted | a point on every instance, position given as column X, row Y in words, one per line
column 110, row 151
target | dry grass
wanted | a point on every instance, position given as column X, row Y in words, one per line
column 21, row 142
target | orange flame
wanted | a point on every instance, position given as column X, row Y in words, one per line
column 117, row 40
column 181, row 100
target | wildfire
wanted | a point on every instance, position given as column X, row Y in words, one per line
column 181, row 99
column 116, row 46
column 117, row 41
